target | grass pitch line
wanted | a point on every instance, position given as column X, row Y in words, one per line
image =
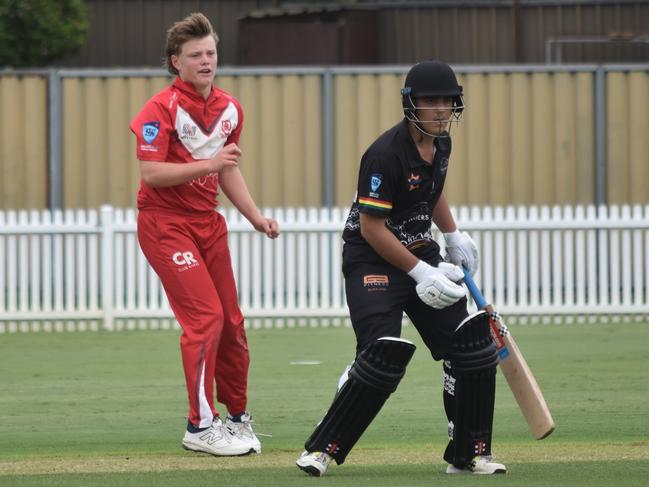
column 430, row 455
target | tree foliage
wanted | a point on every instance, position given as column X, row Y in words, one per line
column 39, row 32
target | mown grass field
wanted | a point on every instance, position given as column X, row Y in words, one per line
column 82, row 409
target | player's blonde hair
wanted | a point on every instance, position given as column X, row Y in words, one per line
column 194, row 26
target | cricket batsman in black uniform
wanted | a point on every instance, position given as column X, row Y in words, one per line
column 392, row 265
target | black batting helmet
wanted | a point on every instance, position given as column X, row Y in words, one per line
column 431, row 78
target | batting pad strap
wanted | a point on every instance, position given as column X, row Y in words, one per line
column 373, row 376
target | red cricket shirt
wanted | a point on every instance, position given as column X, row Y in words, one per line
column 178, row 125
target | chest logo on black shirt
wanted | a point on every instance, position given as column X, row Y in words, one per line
column 414, row 181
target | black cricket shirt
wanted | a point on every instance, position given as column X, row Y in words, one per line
column 394, row 182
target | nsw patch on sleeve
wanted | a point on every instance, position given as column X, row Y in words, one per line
column 375, row 183
column 150, row 131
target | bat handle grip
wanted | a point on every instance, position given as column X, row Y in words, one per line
column 479, row 299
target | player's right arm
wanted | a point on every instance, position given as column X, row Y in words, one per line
column 435, row 285
column 384, row 242
column 163, row 174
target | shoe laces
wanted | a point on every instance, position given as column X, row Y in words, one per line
column 243, row 427
column 480, row 459
column 324, row 458
column 319, row 456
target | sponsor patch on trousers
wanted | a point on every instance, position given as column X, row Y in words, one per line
column 376, row 282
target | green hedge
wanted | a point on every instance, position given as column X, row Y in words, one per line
column 40, row 32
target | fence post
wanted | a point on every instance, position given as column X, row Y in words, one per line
column 107, row 253
column 55, row 134
column 601, row 193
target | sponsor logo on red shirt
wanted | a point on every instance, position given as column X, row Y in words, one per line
column 226, row 128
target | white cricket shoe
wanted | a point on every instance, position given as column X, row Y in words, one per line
column 215, row 440
column 314, row 463
column 480, row 465
column 242, row 430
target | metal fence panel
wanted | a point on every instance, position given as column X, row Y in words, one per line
column 530, row 135
column 23, row 141
column 628, row 141
column 281, row 138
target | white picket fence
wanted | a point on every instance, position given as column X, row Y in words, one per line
column 83, row 270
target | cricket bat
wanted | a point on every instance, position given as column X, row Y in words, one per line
column 521, row 381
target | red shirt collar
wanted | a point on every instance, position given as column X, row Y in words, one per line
column 189, row 89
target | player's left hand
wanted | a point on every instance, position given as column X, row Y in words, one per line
column 269, row 226
column 462, row 251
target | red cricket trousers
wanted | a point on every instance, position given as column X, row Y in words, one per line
column 190, row 255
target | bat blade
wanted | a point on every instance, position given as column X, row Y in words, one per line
column 514, row 367
column 520, row 378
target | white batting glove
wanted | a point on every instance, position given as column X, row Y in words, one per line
column 436, row 286
column 461, row 250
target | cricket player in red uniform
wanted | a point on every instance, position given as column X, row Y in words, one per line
column 187, row 145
